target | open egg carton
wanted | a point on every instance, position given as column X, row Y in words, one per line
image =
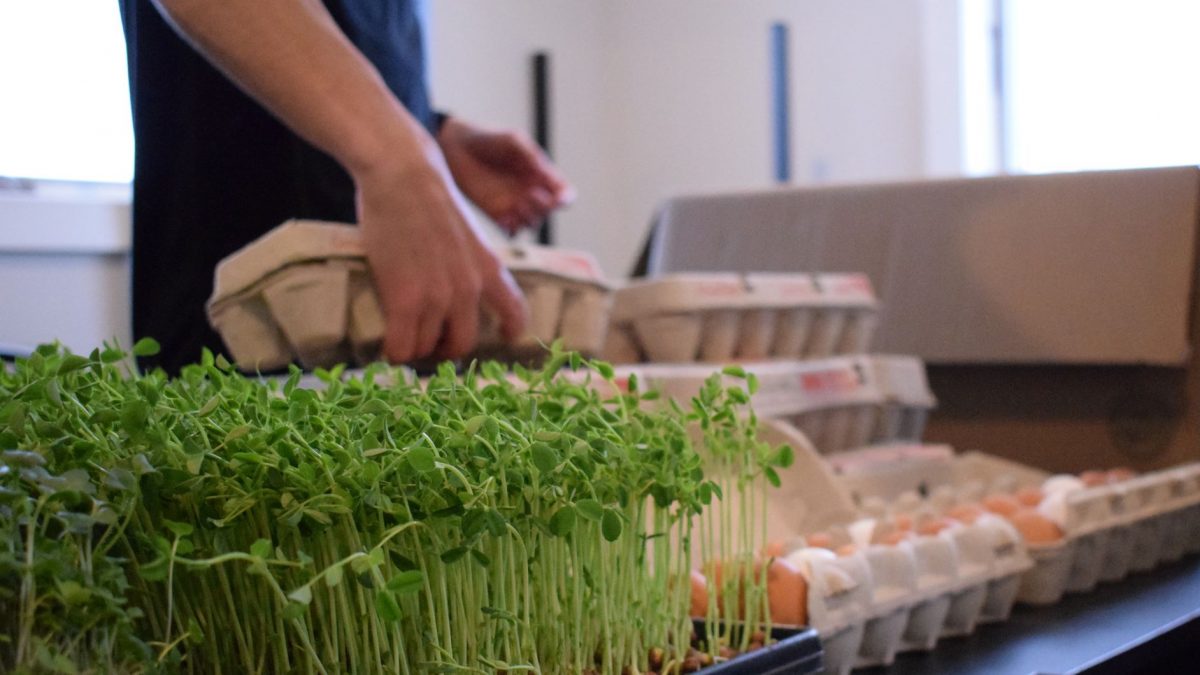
column 1079, row 530
column 876, row 589
column 303, row 292
column 719, row 317
column 838, row 402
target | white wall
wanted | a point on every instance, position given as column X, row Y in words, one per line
column 655, row 98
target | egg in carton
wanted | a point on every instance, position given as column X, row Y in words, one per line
column 303, row 291
column 840, row 597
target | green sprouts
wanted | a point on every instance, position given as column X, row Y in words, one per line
column 473, row 523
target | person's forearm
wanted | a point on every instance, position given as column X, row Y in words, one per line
column 292, row 58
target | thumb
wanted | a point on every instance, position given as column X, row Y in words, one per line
column 502, row 295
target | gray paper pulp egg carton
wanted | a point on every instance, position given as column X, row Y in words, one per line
column 303, row 291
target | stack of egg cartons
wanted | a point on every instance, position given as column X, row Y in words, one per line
column 303, row 292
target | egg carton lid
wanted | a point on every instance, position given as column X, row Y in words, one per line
column 559, row 264
column 679, row 293
column 784, row 387
column 903, row 380
column 292, row 242
column 851, row 289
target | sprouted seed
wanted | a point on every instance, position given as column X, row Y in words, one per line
column 477, row 522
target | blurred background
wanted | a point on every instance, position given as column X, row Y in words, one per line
column 642, row 101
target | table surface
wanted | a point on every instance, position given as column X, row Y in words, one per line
column 1151, row 615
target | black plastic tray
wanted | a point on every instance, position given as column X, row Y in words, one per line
column 792, row 650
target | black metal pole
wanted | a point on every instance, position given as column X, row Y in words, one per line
column 541, row 126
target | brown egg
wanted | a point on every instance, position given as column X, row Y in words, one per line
column 1093, row 478
column 846, row 550
column 820, row 540
column 1121, row 473
column 902, row 521
column 773, row 549
column 965, row 513
column 699, row 594
column 1036, row 528
column 895, row 537
column 1001, row 504
column 932, row 526
column 1030, row 496
column 787, row 593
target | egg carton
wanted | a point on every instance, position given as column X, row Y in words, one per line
column 721, row 317
column 838, row 402
column 303, row 291
column 877, row 601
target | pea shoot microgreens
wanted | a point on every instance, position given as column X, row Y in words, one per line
column 484, row 521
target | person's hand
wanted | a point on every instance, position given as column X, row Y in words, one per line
column 430, row 264
column 503, row 173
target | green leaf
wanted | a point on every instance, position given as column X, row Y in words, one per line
column 590, row 509
column 333, row 576
column 237, row 432
column 480, row 558
column 387, row 607
column 422, row 459
column 146, row 347
column 261, row 549
column 605, row 369
column 544, row 457
column 302, row 595
column 772, row 476
column 406, row 583
column 611, row 525
column 71, row 362
column 784, row 456
column 179, row 529
column 209, row 405
column 454, row 555
column 294, row 611
column 734, row 371
column 563, row 521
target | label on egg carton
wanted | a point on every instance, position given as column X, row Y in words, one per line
column 567, row 265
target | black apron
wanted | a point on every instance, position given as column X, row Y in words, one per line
column 213, row 170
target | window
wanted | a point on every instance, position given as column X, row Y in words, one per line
column 65, row 90
column 1099, row 84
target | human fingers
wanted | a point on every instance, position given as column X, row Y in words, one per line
column 462, row 328
column 431, row 321
column 502, row 295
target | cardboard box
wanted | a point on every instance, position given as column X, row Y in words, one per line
column 1058, row 313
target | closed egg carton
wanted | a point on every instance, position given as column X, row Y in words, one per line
column 719, row 334
column 366, row 327
column 584, row 321
column 250, row 334
column 256, row 291
column 779, row 315
column 680, row 318
column 838, row 429
column 846, row 319
column 862, row 427
column 620, row 346
column 309, row 302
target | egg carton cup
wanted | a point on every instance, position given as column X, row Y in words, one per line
column 721, row 317
column 303, row 291
column 1011, row 560
column 1046, row 582
column 840, row 595
column 896, row 591
column 937, row 580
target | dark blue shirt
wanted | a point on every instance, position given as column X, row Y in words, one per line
column 213, row 169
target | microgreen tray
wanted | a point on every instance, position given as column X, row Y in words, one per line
column 792, row 650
